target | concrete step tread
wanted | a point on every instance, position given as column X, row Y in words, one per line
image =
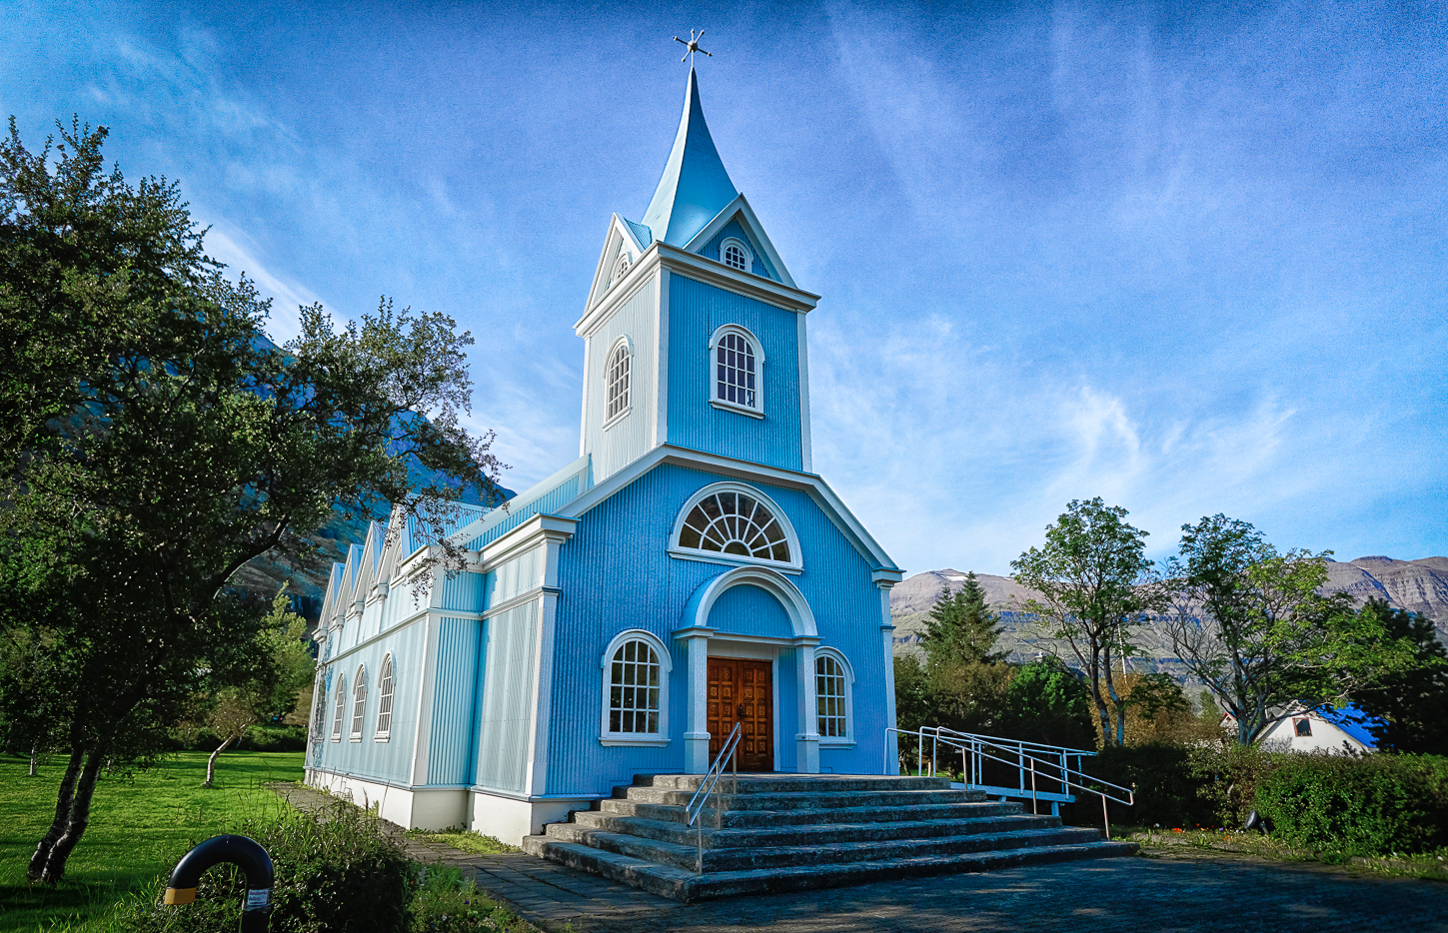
column 810, row 833
column 805, row 815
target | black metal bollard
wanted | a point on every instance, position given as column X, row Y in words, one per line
column 240, row 851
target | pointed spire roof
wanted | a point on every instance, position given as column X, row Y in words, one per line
column 695, row 186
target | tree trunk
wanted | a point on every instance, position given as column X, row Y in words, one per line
column 77, row 821
column 62, row 814
column 33, row 753
column 211, row 762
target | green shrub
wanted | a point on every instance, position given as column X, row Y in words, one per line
column 335, row 872
column 1374, row 805
column 446, row 903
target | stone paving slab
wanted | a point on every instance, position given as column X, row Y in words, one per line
column 1168, row 891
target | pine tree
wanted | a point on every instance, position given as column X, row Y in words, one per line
column 960, row 628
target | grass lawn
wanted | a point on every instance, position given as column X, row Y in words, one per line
column 139, row 827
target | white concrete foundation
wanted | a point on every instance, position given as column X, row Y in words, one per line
column 421, row 808
column 509, row 819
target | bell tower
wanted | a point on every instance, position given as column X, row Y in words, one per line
column 694, row 329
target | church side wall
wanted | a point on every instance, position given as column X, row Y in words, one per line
column 631, row 436
column 615, row 574
column 696, row 310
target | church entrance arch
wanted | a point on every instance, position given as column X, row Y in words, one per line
column 741, row 691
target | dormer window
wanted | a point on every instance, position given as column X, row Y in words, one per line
column 736, row 365
column 735, row 254
column 616, row 381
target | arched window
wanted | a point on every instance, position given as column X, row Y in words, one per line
column 359, row 704
column 832, row 696
column 735, row 257
column 635, row 690
column 620, row 268
column 384, row 700
column 341, row 707
column 616, row 380
column 736, row 361
column 734, row 522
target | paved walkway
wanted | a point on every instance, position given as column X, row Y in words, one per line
column 1171, row 891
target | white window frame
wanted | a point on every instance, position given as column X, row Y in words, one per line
column 758, row 350
column 359, row 704
column 341, row 708
column 627, row 346
column 743, row 248
column 605, row 735
column 621, row 264
column 848, row 739
column 386, row 693
column 795, row 564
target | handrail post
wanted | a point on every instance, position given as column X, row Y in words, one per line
column 1034, row 811
column 1105, row 818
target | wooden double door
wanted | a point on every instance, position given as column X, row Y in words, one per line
column 742, row 690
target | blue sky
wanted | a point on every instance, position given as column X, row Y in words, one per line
column 1192, row 258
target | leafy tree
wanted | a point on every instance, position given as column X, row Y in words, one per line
column 156, row 441
column 278, row 666
column 1047, row 703
column 1410, row 707
column 960, row 629
column 1096, row 585
column 1252, row 625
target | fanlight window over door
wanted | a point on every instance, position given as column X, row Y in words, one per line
column 730, row 522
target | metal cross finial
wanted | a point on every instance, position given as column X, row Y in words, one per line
column 692, row 44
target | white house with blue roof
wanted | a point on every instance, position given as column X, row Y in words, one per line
column 689, row 571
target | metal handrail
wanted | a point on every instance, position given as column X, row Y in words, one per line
column 977, row 744
column 700, row 800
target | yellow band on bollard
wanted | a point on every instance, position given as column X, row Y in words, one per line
column 180, row 895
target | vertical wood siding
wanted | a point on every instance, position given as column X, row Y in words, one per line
column 454, row 696
column 391, row 760
column 748, row 610
column 762, row 266
column 631, row 436
column 505, row 716
column 615, row 574
column 696, row 310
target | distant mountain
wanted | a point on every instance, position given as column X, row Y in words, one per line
column 1419, row 586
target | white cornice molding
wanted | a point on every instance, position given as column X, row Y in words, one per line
column 810, row 483
column 529, row 534
column 709, row 272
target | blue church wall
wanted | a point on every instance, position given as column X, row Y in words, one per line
column 696, row 310
column 748, row 610
column 454, row 703
column 387, row 761
column 505, row 718
column 762, row 266
column 624, row 541
column 548, row 501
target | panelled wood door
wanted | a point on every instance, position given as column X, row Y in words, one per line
column 742, row 690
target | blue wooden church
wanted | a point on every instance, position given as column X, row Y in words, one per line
column 688, row 571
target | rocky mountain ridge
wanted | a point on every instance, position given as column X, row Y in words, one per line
column 1419, row 586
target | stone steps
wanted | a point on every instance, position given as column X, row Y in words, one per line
column 795, row 832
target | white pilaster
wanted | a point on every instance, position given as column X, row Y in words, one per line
column 807, row 741
column 887, row 635
column 696, row 739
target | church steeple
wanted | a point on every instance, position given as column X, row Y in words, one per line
column 695, row 186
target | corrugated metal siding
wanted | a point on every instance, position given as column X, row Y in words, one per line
column 454, row 694
column 748, row 610
column 383, row 761
column 696, row 310
column 513, row 578
column 615, row 574
column 462, row 591
column 505, row 718
column 632, row 436
column 546, row 504
column 762, row 266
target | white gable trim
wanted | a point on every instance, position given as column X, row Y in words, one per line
column 618, row 239
column 816, row 487
column 740, row 208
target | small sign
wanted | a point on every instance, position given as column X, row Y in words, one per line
column 258, row 898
